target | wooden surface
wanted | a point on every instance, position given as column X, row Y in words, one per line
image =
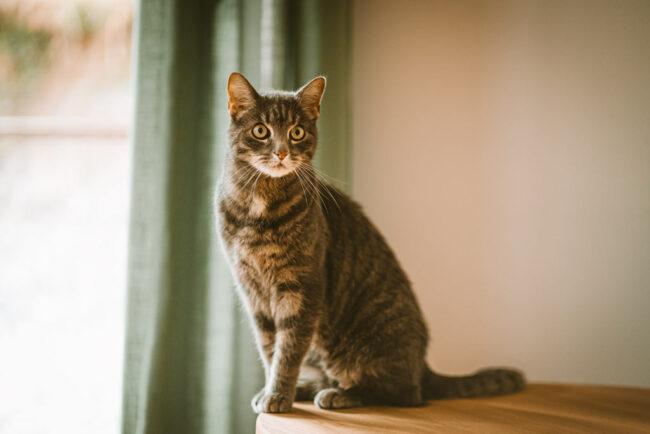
column 541, row 408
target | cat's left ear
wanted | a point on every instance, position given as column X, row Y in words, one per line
column 310, row 96
column 241, row 95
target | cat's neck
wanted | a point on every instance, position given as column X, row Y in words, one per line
column 248, row 186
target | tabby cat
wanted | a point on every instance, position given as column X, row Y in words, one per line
column 322, row 287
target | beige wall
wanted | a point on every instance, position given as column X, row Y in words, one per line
column 503, row 147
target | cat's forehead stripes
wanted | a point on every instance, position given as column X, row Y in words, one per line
column 279, row 111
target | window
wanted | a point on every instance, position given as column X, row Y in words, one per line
column 64, row 187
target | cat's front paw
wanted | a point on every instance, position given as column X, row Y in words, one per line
column 275, row 402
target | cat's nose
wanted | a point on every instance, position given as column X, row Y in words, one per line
column 281, row 154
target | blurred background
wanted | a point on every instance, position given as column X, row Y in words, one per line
column 64, row 188
column 503, row 148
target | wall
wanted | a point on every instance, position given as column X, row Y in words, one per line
column 503, row 147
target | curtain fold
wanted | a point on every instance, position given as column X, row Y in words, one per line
column 190, row 363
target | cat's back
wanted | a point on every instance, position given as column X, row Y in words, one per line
column 360, row 258
column 370, row 302
column 353, row 237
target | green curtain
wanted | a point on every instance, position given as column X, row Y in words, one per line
column 190, row 364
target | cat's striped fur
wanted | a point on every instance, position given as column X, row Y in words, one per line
column 320, row 283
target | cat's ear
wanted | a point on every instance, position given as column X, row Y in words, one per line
column 310, row 96
column 241, row 95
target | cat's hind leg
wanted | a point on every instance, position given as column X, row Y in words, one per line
column 306, row 391
column 311, row 381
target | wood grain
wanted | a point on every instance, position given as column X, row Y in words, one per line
column 540, row 409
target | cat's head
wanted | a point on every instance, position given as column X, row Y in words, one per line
column 274, row 132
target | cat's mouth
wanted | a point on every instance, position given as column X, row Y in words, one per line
column 276, row 169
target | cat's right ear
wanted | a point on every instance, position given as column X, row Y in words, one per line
column 241, row 95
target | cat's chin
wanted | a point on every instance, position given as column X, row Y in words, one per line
column 275, row 172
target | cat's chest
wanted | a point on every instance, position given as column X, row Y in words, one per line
column 259, row 224
column 264, row 258
column 250, row 240
column 242, row 223
column 265, row 236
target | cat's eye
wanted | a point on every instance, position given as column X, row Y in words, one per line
column 260, row 132
column 297, row 133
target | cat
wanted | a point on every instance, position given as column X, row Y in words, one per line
column 321, row 286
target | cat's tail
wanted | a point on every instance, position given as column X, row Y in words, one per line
column 486, row 382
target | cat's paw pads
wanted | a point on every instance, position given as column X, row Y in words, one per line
column 335, row 398
column 265, row 402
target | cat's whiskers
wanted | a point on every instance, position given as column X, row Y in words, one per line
column 313, row 171
column 250, row 177
column 304, row 192
column 243, row 172
column 326, row 187
column 327, row 177
column 313, row 187
column 239, row 170
column 313, row 194
column 254, row 187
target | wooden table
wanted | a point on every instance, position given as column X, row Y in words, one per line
column 541, row 408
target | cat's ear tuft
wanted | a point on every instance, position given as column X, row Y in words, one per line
column 241, row 95
column 310, row 96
